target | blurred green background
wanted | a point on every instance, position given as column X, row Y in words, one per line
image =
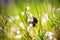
column 14, row 24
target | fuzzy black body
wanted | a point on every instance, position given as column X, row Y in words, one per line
column 35, row 21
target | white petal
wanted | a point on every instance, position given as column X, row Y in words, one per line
column 18, row 36
column 18, row 32
column 51, row 38
column 45, row 18
column 21, row 25
column 17, row 17
column 29, row 30
column 28, row 19
column 30, row 24
column 29, row 14
column 13, row 29
column 58, row 9
column 23, row 13
column 28, row 8
column 49, row 34
column 11, row 19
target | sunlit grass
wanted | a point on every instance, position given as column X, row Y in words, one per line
column 15, row 22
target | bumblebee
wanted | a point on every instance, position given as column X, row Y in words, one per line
column 34, row 22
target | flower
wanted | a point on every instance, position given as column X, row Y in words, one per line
column 18, row 36
column 28, row 8
column 30, row 20
column 50, row 37
column 49, row 34
column 17, row 17
column 29, row 30
column 58, row 9
column 11, row 19
column 29, row 14
column 45, row 18
column 21, row 25
column 13, row 29
column 18, row 32
column 30, row 24
column 23, row 13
